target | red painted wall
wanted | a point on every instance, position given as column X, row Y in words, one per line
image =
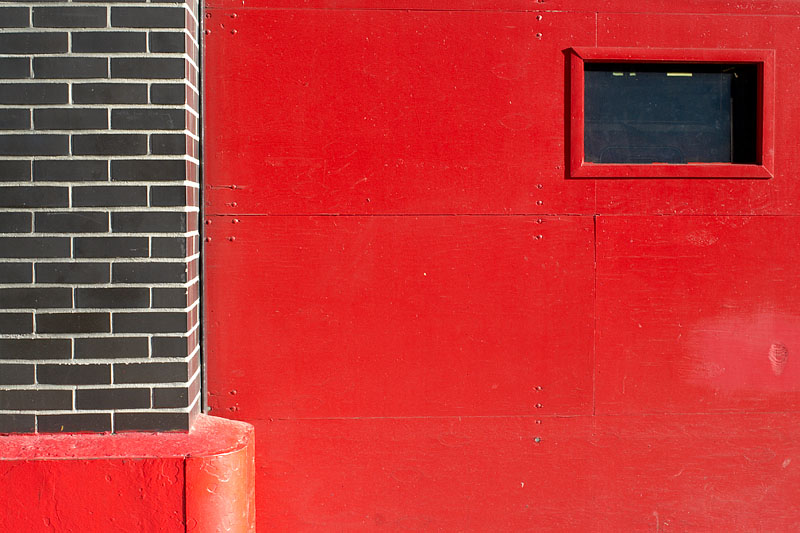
column 434, row 326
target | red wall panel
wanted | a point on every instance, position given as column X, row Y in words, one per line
column 695, row 314
column 390, row 112
column 718, row 472
column 400, row 316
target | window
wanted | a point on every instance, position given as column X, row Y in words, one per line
column 671, row 113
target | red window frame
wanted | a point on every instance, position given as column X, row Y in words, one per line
column 764, row 59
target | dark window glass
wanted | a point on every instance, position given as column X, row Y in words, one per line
column 670, row 113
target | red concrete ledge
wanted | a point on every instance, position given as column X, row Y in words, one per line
column 201, row 481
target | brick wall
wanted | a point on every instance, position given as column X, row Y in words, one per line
column 98, row 216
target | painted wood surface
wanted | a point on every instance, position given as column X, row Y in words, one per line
column 400, row 316
column 387, row 112
column 721, row 472
column 697, row 314
column 417, row 350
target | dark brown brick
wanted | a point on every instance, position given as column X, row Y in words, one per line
column 74, row 222
column 148, row 119
column 148, row 170
column 14, row 17
column 70, row 119
column 18, row 247
column 16, row 323
column 148, row 67
column 108, row 144
column 175, row 397
column 152, row 322
column 73, row 374
column 109, row 196
column 109, row 93
column 112, row 297
column 151, row 421
column 148, row 17
column 170, row 346
column 15, row 119
column 73, row 322
column 168, row 247
column 33, row 349
column 110, row 247
column 73, row 272
column 74, row 423
column 112, row 398
column 15, row 169
column 70, row 170
column 168, row 42
column 17, row 423
column 33, row 93
column 15, row 67
column 150, row 372
column 148, row 273
column 175, row 297
column 16, row 272
column 15, row 222
column 109, row 42
column 35, row 399
column 28, row 196
column 168, row 144
column 69, row 17
column 149, row 222
column 17, row 374
column 70, row 67
column 33, row 43
column 34, row 144
column 115, row 347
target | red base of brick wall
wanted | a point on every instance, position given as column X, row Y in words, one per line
column 166, row 482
